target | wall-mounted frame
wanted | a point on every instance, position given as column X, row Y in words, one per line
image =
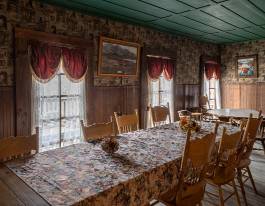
column 118, row 58
column 247, row 66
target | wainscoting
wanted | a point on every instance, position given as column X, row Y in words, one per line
column 7, row 114
column 245, row 96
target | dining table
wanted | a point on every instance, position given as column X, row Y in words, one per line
column 233, row 113
column 145, row 165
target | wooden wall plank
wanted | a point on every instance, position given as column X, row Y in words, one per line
column 23, row 88
column 243, row 96
column 7, row 115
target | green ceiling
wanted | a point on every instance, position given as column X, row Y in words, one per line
column 218, row 21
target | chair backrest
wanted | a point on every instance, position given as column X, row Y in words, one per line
column 127, row 123
column 252, row 126
column 195, row 159
column 204, row 101
column 227, row 158
column 19, row 146
column 160, row 115
column 250, row 129
column 97, row 131
column 229, row 141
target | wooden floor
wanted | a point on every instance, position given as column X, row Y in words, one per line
column 258, row 171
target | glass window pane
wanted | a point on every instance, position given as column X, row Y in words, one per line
column 70, row 106
column 212, row 104
column 49, row 115
column 212, row 94
column 212, row 83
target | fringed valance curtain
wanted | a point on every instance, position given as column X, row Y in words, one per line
column 75, row 64
column 212, row 70
column 156, row 66
column 45, row 60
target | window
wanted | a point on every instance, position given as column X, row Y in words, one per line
column 212, row 94
column 211, row 89
column 161, row 92
column 58, row 110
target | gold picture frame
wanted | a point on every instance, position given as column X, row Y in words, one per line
column 118, row 58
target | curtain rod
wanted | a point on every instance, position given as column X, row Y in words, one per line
column 155, row 56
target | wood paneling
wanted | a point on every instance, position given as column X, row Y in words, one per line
column 23, row 88
column 103, row 101
column 243, row 96
column 230, row 95
column 186, row 96
column 7, row 115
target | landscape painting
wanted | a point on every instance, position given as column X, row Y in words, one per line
column 118, row 58
column 247, row 67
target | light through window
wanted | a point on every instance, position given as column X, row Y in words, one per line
column 161, row 92
column 58, row 110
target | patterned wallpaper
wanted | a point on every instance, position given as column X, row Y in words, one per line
column 229, row 54
column 42, row 17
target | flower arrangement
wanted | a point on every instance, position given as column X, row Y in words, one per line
column 186, row 123
column 110, row 144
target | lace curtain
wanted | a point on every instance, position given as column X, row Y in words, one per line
column 58, row 107
column 160, row 92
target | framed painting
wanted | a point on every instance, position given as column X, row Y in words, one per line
column 118, row 58
column 247, row 66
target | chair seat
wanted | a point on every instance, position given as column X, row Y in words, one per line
column 244, row 163
column 189, row 197
column 221, row 179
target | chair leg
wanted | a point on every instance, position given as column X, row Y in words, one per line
column 221, row 196
column 252, row 180
column 263, row 144
column 236, row 193
column 239, row 178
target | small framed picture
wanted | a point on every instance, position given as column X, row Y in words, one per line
column 118, row 58
column 247, row 66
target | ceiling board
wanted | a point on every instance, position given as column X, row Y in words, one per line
column 170, row 5
column 178, row 27
column 259, row 3
column 198, row 3
column 245, row 34
column 192, row 23
column 226, row 15
column 246, row 10
column 256, row 30
column 209, row 20
column 218, row 21
column 141, row 7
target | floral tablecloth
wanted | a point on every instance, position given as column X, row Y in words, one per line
column 83, row 174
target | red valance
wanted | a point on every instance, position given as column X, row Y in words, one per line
column 168, row 68
column 44, row 60
column 158, row 65
column 75, row 64
column 212, row 70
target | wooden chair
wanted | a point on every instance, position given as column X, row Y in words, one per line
column 190, row 188
column 19, row 146
column 224, row 167
column 160, row 115
column 262, row 132
column 127, row 123
column 97, row 131
column 243, row 171
column 204, row 101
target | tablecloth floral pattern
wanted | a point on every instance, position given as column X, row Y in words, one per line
column 145, row 165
